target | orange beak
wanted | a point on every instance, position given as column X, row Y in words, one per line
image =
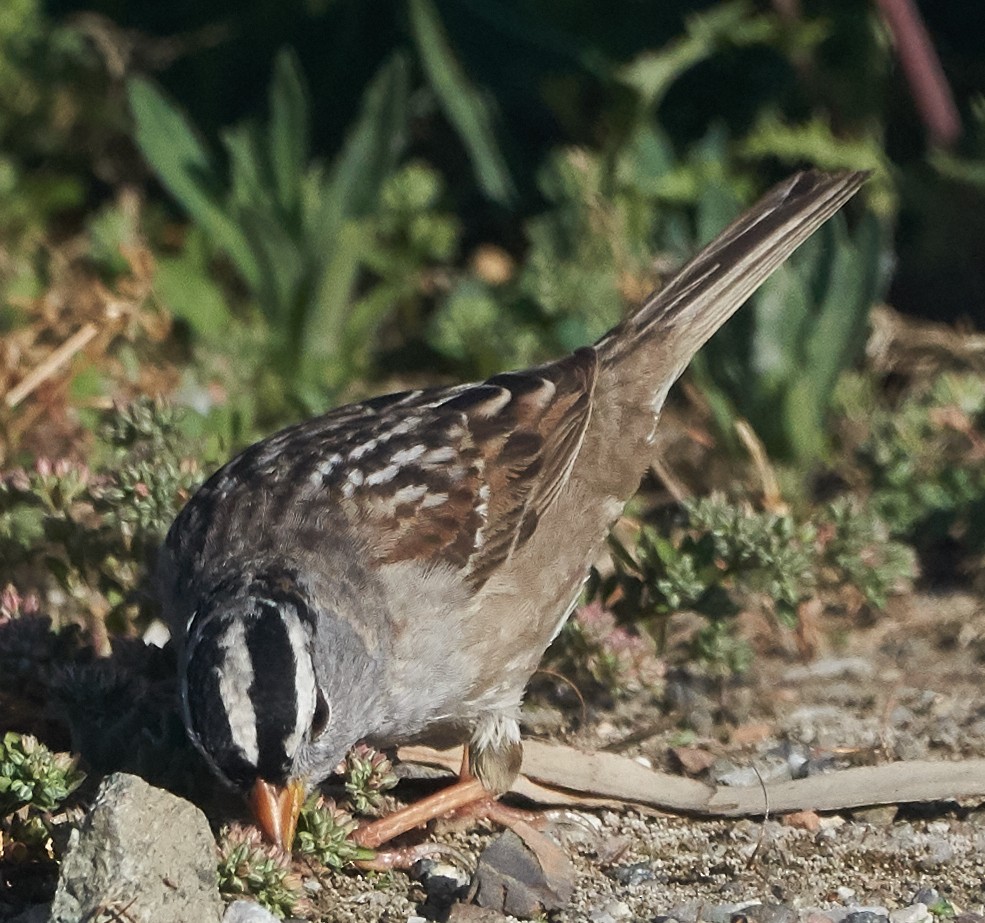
column 276, row 810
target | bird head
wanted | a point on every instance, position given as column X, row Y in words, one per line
column 253, row 705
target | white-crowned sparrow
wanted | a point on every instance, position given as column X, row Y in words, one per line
column 395, row 569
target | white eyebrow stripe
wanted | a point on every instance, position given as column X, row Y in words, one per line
column 235, row 679
column 304, row 678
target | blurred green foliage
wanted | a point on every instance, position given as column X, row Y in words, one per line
column 288, row 225
column 777, row 366
column 317, row 249
column 920, row 457
column 346, row 233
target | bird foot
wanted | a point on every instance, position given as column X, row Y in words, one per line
column 454, row 797
column 493, row 810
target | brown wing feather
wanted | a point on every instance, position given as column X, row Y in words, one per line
column 458, row 475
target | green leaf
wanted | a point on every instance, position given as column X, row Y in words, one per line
column 727, row 24
column 322, row 342
column 465, row 106
column 375, row 143
column 855, row 281
column 250, row 184
column 170, row 145
column 281, row 268
column 288, row 132
column 188, row 290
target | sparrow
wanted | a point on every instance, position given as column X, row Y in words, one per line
column 394, row 570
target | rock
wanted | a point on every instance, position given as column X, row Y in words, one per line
column 746, row 735
column 882, row 815
column 248, row 912
column 523, row 877
column 718, row 913
column 868, row 915
column 769, row 768
column 687, row 913
column 577, row 829
column 142, row 853
column 693, row 760
column 830, row 668
column 941, row 852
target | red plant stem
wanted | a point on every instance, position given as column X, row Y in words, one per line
column 922, row 67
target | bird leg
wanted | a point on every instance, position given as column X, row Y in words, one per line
column 458, row 795
column 469, row 798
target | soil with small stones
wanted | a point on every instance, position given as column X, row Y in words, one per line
column 908, row 686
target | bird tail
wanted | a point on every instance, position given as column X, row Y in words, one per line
column 714, row 284
column 643, row 356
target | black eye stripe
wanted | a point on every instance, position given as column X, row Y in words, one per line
column 274, row 703
column 322, row 713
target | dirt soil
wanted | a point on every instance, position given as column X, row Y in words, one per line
column 906, row 687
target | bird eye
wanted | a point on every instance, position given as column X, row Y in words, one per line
column 320, row 720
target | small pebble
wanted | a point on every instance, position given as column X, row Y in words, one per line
column 634, row 874
column 721, row 913
column 941, row 852
column 611, row 913
column 915, row 913
column 927, row 896
column 771, row 768
column 247, row 912
column 879, row 915
column 879, row 816
column 441, row 880
column 771, row 913
column 829, row 668
column 687, row 913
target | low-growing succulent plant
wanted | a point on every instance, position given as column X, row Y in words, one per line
column 724, row 555
column 368, row 775
column 618, row 658
column 249, row 867
column 324, row 832
column 85, row 539
column 32, row 776
column 857, row 548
